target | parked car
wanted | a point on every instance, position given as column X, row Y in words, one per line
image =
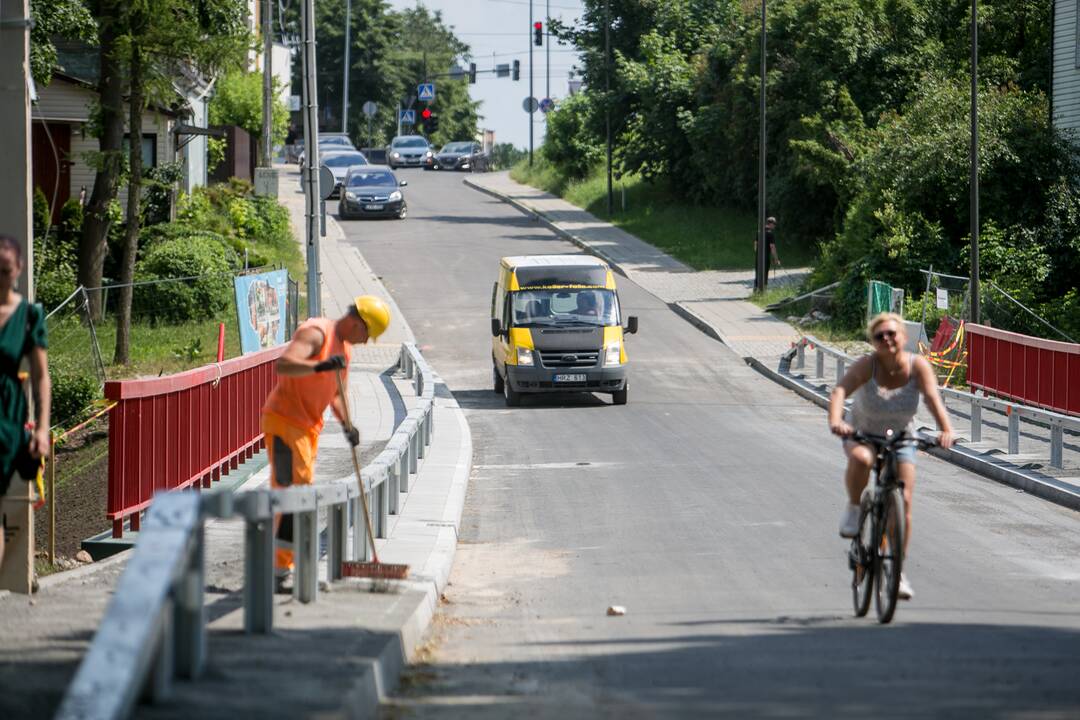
column 340, row 163
column 461, row 156
column 372, row 191
column 330, row 142
column 409, row 151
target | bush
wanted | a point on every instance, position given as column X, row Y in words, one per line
column 56, row 259
column 567, row 144
column 202, row 257
column 73, row 391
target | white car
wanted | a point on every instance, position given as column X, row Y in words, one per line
column 409, row 151
column 339, row 164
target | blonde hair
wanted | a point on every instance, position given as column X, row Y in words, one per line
column 884, row 317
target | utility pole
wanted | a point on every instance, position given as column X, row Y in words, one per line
column 268, row 84
column 17, row 572
column 761, row 274
column 530, row 85
column 345, row 81
column 974, row 286
column 311, row 153
column 547, row 49
column 607, row 102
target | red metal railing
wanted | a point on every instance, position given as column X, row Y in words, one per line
column 1042, row 373
column 168, row 433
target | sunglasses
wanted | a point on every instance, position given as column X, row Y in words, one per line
column 879, row 336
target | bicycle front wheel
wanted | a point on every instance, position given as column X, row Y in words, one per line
column 862, row 562
column 890, row 556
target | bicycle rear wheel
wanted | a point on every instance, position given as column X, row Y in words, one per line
column 890, row 556
column 862, row 562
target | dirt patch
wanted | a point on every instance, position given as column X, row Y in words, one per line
column 82, row 467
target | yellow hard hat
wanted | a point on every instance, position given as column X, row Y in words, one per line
column 375, row 314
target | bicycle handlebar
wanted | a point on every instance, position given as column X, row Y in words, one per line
column 884, row 442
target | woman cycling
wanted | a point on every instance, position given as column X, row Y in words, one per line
column 885, row 387
column 22, row 334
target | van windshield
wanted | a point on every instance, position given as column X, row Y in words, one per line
column 575, row 306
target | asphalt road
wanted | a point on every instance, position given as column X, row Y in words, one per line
column 708, row 507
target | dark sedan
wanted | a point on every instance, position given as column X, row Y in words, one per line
column 461, row 156
column 372, row 191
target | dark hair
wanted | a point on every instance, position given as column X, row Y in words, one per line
column 9, row 243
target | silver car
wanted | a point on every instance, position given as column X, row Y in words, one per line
column 339, row 164
column 409, row 151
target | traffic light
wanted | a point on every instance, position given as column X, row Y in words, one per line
column 432, row 124
column 515, row 74
column 538, row 33
column 425, row 113
column 472, row 73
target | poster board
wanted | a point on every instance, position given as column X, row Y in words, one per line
column 261, row 309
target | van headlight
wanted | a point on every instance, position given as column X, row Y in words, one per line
column 612, row 354
column 395, row 196
column 525, row 356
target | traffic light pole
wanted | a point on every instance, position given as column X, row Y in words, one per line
column 607, row 103
column 345, row 80
column 547, row 49
column 530, row 86
column 311, row 153
column 761, row 274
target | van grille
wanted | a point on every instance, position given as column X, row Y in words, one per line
column 569, row 358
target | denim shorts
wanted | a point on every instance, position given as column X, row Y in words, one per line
column 904, row 453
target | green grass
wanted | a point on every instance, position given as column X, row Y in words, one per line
column 705, row 238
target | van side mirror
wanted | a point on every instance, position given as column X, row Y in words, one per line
column 403, row 183
column 496, row 327
column 631, row 325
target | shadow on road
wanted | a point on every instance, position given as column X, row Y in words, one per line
column 487, row 399
column 782, row 667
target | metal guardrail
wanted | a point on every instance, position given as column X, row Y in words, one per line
column 1056, row 422
column 154, row 628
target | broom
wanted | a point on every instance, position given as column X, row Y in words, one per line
column 373, row 569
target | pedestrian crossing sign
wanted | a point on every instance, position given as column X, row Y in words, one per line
column 425, row 92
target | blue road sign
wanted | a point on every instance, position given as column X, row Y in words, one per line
column 408, row 116
column 547, row 105
column 425, row 91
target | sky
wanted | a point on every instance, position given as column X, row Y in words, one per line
column 500, row 31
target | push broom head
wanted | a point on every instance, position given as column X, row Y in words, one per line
column 381, row 571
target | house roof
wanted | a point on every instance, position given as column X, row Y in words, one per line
column 80, row 63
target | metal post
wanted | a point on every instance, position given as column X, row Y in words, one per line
column 259, row 576
column 1057, row 440
column 1014, row 431
column 547, row 47
column 607, row 103
column 403, row 470
column 762, row 267
column 345, row 81
column 189, row 612
column 359, row 535
column 976, row 420
column 311, row 153
column 414, row 455
column 338, row 540
column 159, row 680
column 421, row 433
column 800, row 355
column 530, row 84
column 52, row 500
column 974, row 288
column 306, row 583
column 393, row 482
column 383, row 492
column 819, row 364
column 839, row 369
column 268, row 85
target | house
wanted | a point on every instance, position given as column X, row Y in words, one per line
column 1065, row 70
column 63, row 147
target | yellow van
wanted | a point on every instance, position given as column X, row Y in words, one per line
column 556, row 327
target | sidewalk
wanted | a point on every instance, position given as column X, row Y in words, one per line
column 715, row 302
column 335, row 656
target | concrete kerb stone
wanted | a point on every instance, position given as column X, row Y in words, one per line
column 1044, row 487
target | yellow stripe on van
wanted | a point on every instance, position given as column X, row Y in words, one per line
column 610, row 280
column 614, row 333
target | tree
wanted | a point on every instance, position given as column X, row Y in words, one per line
column 68, row 19
column 162, row 35
column 238, row 101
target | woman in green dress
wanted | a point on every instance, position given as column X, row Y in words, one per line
column 22, row 335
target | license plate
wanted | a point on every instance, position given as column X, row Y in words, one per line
column 574, row 377
column 373, row 207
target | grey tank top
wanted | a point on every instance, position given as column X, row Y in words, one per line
column 875, row 409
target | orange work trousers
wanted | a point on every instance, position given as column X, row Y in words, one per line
column 292, row 462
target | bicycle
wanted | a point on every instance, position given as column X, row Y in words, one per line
column 877, row 551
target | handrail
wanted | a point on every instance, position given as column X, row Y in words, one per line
column 1014, row 411
column 155, row 624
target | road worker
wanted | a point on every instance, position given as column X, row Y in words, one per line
column 293, row 414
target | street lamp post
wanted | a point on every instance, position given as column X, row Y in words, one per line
column 607, row 104
column 974, row 207
column 345, row 80
column 761, row 273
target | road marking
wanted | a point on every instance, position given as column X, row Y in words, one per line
column 547, row 466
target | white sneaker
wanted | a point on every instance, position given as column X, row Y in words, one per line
column 904, row 592
column 849, row 522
